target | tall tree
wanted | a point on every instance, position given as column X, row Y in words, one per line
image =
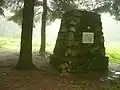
column 25, row 58
column 43, row 28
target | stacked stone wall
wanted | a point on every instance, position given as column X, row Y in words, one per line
column 80, row 43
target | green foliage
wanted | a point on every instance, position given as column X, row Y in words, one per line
column 57, row 8
column 14, row 4
column 17, row 17
column 2, row 5
column 113, row 52
column 114, row 56
column 2, row 43
column 111, row 6
column 115, row 10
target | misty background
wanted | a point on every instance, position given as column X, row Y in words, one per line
column 111, row 29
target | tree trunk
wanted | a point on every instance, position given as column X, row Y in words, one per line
column 25, row 58
column 43, row 28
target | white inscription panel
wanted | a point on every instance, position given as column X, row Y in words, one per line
column 88, row 37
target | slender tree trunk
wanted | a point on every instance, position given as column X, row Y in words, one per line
column 43, row 28
column 25, row 58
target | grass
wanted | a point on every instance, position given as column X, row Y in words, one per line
column 112, row 49
column 10, row 43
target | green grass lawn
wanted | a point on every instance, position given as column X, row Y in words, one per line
column 112, row 49
column 10, row 43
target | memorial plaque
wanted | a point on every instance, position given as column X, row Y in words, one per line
column 88, row 37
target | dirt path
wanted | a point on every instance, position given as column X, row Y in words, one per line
column 49, row 78
column 8, row 58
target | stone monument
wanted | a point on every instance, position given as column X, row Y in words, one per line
column 80, row 43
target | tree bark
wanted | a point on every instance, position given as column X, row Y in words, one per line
column 25, row 58
column 43, row 28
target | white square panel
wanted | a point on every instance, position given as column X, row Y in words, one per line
column 88, row 37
